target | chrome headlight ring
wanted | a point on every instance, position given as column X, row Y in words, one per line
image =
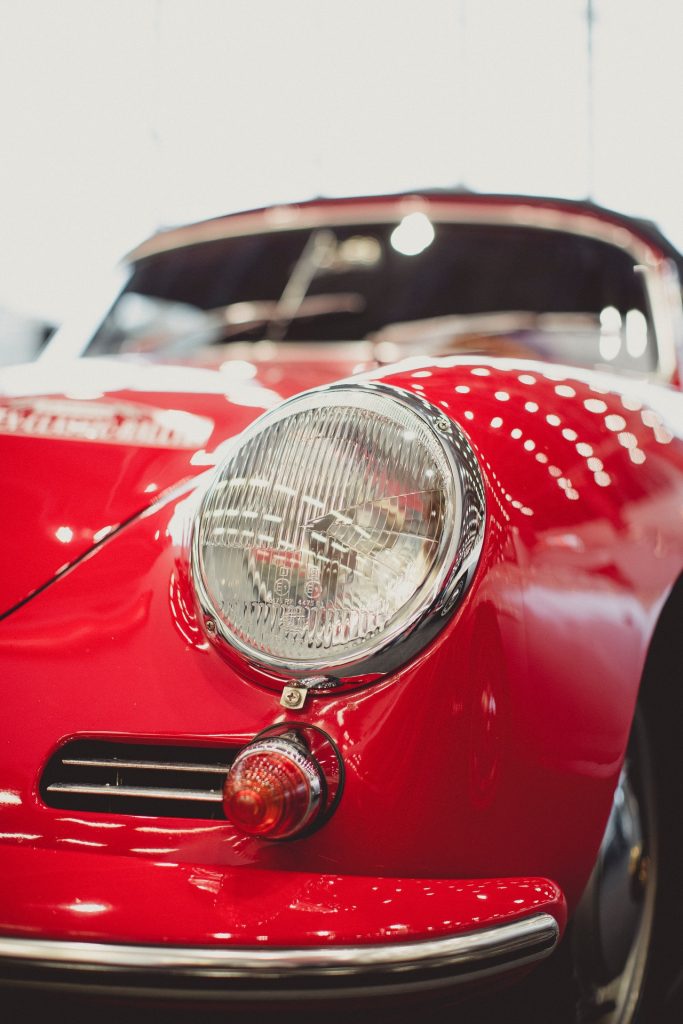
column 338, row 535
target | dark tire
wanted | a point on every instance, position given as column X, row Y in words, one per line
column 613, row 929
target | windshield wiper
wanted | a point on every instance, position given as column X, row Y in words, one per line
column 315, row 254
column 243, row 316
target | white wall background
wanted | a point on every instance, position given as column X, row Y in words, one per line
column 117, row 116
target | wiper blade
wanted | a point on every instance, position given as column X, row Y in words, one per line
column 240, row 316
column 317, row 251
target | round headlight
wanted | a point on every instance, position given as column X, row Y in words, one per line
column 338, row 524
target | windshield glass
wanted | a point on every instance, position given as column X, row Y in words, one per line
column 408, row 286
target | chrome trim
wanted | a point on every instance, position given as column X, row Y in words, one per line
column 157, row 766
column 394, row 966
column 409, row 638
column 147, row 792
column 517, row 213
column 663, row 292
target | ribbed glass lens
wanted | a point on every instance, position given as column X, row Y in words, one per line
column 328, row 529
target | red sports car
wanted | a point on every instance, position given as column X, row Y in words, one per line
column 341, row 590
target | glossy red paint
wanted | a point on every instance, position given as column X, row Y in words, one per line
column 92, row 445
column 77, row 896
column 500, row 744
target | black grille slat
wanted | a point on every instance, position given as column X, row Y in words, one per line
column 137, row 779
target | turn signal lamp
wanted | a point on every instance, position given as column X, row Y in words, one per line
column 275, row 788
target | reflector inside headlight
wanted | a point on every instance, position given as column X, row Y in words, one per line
column 336, row 523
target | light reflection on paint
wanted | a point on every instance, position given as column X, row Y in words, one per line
column 85, row 907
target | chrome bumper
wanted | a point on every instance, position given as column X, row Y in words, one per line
column 319, row 972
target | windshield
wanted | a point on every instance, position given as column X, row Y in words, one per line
column 407, row 286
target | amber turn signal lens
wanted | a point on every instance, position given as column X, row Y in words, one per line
column 274, row 789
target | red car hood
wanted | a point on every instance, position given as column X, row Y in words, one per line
column 89, row 445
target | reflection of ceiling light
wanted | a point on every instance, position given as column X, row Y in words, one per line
column 413, row 235
column 610, row 333
column 610, row 346
column 239, row 369
column 80, row 907
column 636, row 333
column 610, row 319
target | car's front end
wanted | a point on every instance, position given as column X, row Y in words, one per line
column 331, row 702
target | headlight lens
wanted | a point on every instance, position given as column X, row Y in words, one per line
column 334, row 525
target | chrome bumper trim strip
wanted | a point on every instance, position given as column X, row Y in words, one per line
column 281, row 972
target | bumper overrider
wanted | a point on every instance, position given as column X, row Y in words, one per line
column 69, row 928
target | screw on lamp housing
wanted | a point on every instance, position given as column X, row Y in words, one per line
column 294, row 695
